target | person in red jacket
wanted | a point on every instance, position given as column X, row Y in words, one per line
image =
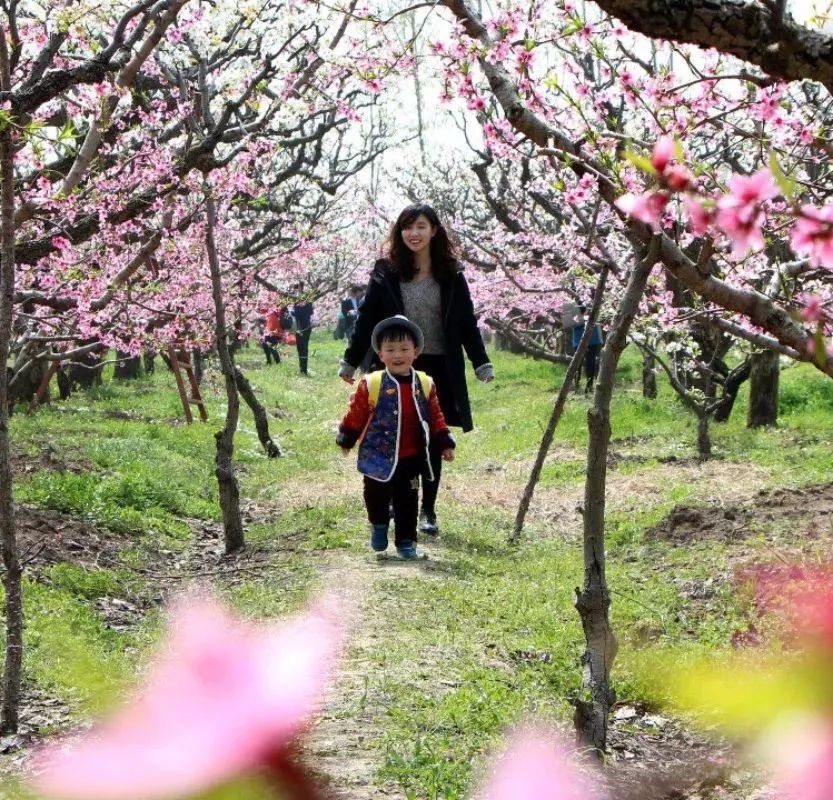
column 272, row 335
column 396, row 414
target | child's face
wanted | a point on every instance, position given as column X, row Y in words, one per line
column 398, row 356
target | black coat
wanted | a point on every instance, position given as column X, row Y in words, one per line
column 383, row 299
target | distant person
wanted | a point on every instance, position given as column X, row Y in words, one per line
column 422, row 279
column 591, row 357
column 397, row 415
column 272, row 336
column 350, row 309
column 302, row 312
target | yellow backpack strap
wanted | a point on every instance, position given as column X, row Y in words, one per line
column 374, row 386
column 425, row 381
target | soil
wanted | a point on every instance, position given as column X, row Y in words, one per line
column 49, row 537
column 810, row 508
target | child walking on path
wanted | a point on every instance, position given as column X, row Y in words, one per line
column 397, row 415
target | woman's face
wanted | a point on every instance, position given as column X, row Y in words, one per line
column 417, row 235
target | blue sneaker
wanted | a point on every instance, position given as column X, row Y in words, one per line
column 407, row 551
column 379, row 537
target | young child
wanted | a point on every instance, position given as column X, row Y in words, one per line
column 396, row 414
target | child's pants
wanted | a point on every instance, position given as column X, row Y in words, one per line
column 402, row 490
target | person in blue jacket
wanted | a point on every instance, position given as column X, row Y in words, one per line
column 302, row 312
column 591, row 357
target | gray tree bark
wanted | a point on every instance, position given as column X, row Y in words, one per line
column 11, row 559
column 593, row 600
column 128, row 367
column 745, row 28
column 731, row 384
column 259, row 412
column 558, row 409
column 649, row 377
column 704, row 441
column 763, row 389
column 224, row 470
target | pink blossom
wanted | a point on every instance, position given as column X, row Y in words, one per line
column 755, row 188
column 664, row 153
column 799, row 749
column 646, row 207
column 677, row 177
column 536, row 767
column 699, row 216
column 814, row 779
column 812, row 234
column 226, row 697
column 813, row 310
column 525, row 57
column 60, row 242
column 739, row 213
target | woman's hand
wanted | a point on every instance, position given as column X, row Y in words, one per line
column 448, row 454
column 485, row 373
column 346, row 372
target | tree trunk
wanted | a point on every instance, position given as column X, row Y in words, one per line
column 128, row 367
column 259, row 412
column 649, row 377
column 198, row 362
column 573, row 370
column 763, row 389
column 593, row 601
column 226, row 478
column 149, row 362
column 11, row 559
column 417, row 86
column 731, row 384
column 704, row 442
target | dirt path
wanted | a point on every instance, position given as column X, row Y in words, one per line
column 341, row 746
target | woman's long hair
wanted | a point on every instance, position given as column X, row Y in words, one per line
column 444, row 264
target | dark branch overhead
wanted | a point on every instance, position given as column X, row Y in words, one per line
column 759, row 33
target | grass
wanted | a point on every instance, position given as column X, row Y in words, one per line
column 481, row 636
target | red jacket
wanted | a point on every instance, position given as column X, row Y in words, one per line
column 407, row 434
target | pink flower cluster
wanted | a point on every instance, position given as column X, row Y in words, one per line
column 536, row 766
column 671, row 177
column 812, row 235
column 225, row 699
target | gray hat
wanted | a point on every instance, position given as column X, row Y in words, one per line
column 396, row 322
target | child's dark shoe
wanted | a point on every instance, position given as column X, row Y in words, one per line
column 406, row 551
column 428, row 523
column 379, row 538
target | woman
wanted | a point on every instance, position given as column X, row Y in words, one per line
column 302, row 312
column 422, row 279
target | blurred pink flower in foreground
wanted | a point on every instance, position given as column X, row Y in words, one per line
column 225, row 698
column 536, row 766
column 813, row 310
column 739, row 213
column 812, row 235
column 647, row 208
column 799, row 750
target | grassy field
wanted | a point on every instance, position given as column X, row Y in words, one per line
column 448, row 652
